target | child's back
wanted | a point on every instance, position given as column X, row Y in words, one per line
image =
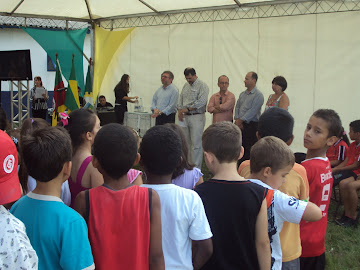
column 123, row 219
column 235, row 207
column 120, row 216
column 186, row 234
column 183, row 220
column 57, row 232
column 232, row 208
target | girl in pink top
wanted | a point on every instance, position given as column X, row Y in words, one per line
column 83, row 124
column 186, row 175
column 135, row 176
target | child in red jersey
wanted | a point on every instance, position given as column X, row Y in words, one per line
column 347, row 172
column 321, row 132
column 124, row 220
column 338, row 151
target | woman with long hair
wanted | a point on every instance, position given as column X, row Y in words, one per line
column 122, row 90
column 83, row 125
column 39, row 97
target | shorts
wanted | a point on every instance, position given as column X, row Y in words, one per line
column 341, row 175
column 313, row 263
column 291, row 265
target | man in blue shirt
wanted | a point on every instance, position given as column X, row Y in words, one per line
column 247, row 112
column 165, row 100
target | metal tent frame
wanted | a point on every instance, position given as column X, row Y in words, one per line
column 237, row 11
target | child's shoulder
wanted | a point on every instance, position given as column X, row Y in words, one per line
column 315, row 162
column 354, row 146
column 171, row 189
column 47, row 206
column 228, row 187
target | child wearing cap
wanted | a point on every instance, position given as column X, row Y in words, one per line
column 16, row 251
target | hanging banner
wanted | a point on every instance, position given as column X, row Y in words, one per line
column 106, row 44
column 65, row 43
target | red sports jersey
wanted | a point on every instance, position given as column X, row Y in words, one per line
column 320, row 178
column 338, row 151
column 119, row 227
column 354, row 155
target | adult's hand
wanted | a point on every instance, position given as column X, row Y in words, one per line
column 239, row 123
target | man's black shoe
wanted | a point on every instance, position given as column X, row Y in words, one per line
column 348, row 222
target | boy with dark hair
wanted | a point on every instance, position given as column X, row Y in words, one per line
column 123, row 219
column 321, row 132
column 57, row 232
column 270, row 161
column 347, row 172
column 16, row 251
column 279, row 123
column 182, row 212
column 235, row 207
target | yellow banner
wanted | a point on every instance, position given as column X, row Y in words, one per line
column 106, row 44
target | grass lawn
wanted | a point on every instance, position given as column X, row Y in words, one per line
column 342, row 244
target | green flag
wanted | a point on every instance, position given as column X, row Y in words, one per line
column 88, row 96
column 72, row 95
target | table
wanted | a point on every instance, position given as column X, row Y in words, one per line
column 140, row 121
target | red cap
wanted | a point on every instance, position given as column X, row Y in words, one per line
column 9, row 181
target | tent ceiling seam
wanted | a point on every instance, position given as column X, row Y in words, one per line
column 147, row 5
column 88, row 9
column 237, row 2
column 16, row 7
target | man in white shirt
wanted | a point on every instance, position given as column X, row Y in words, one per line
column 191, row 113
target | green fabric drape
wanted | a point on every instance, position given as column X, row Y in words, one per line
column 64, row 43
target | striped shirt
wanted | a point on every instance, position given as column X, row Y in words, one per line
column 37, row 99
column 194, row 96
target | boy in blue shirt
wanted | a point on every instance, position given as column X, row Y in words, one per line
column 57, row 232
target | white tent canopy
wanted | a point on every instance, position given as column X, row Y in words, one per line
column 112, row 14
column 94, row 9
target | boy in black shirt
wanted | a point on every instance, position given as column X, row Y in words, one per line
column 235, row 207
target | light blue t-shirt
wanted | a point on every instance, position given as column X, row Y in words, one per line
column 57, row 233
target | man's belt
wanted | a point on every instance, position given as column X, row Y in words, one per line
column 189, row 113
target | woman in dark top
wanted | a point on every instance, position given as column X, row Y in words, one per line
column 121, row 98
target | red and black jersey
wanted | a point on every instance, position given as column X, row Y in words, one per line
column 338, row 151
column 354, row 155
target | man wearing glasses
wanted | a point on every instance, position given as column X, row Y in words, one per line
column 165, row 100
column 221, row 104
